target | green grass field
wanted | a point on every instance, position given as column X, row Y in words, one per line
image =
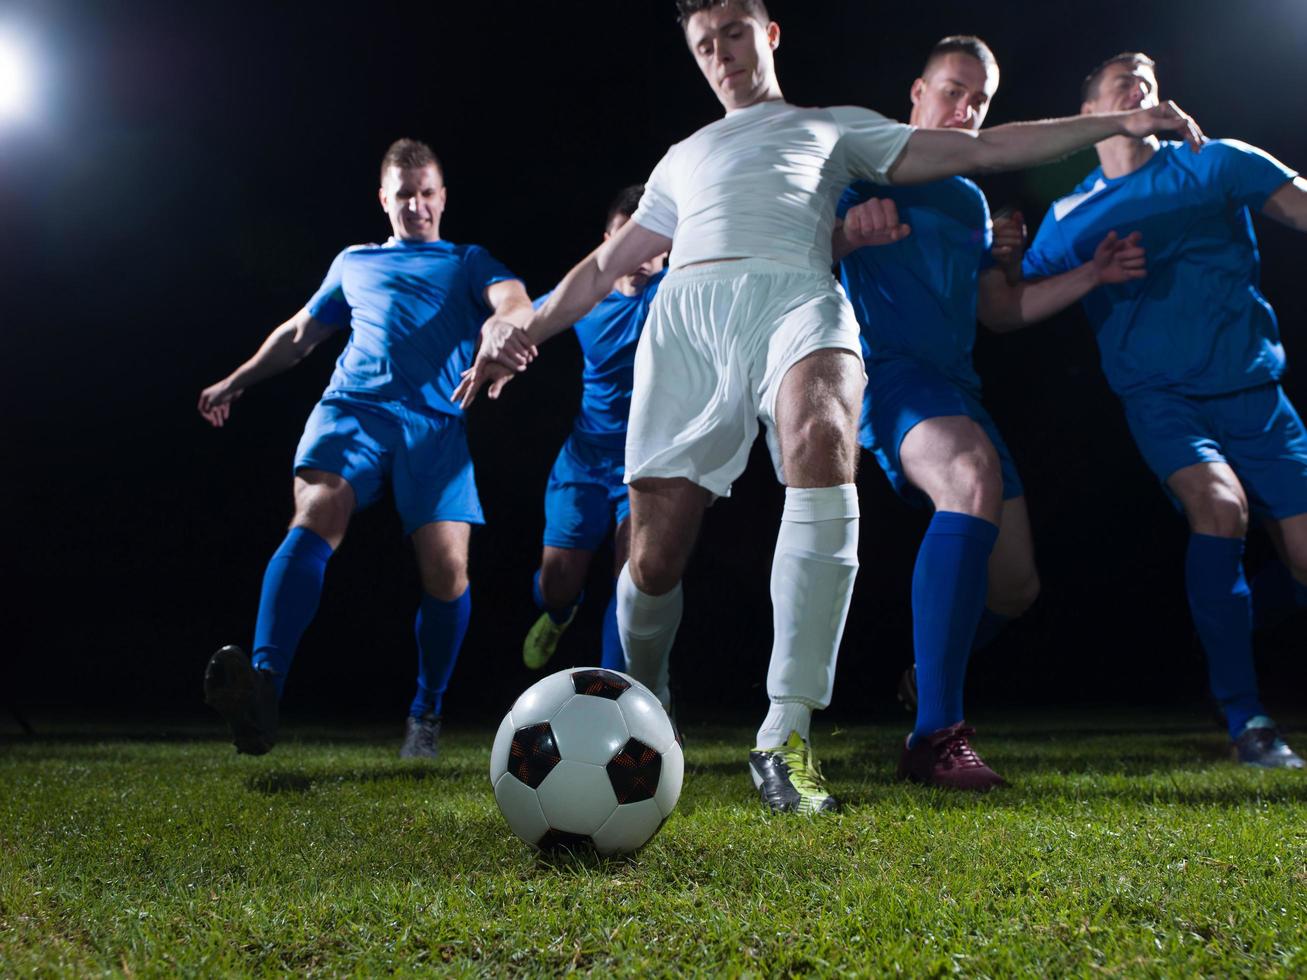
column 1118, row 852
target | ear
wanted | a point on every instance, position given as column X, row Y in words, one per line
column 381, row 196
column 774, row 35
column 917, row 91
column 1086, row 109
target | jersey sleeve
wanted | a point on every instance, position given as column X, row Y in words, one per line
column 483, row 271
column 872, row 143
column 657, row 208
column 1047, row 254
column 328, row 305
column 1248, row 174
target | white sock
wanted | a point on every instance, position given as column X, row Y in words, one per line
column 782, row 718
column 813, row 570
column 647, row 625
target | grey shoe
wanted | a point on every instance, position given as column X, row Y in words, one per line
column 421, row 737
column 245, row 697
column 1259, row 744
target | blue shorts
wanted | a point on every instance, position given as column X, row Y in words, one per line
column 902, row 391
column 1256, row 431
column 425, row 457
column 586, row 495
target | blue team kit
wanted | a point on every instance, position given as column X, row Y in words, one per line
column 414, row 310
column 915, row 301
column 1193, row 349
column 586, row 494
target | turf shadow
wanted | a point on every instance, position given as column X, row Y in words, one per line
column 275, row 782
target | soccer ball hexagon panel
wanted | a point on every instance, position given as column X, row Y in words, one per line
column 586, row 758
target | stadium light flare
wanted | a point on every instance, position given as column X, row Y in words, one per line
column 16, row 83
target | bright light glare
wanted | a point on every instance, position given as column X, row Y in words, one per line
column 15, row 80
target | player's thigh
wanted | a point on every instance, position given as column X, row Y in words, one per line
column 1013, row 576
column 621, row 543
column 441, row 548
column 1212, row 497
column 816, row 418
column 952, row 460
column 323, row 504
column 666, row 514
column 1289, row 535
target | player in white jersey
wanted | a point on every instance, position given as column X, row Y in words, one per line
column 750, row 323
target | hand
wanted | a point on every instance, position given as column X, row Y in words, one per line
column 506, row 343
column 215, row 402
column 874, row 222
column 1118, row 260
column 484, row 370
column 1165, row 118
column 1009, row 240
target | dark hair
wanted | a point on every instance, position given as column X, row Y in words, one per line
column 685, row 9
column 967, row 44
column 625, row 203
column 407, row 153
column 1133, row 58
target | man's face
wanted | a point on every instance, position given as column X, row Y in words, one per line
column 954, row 93
column 1122, row 87
column 735, row 52
column 648, row 268
column 414, row 200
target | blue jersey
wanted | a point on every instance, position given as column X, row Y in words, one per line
column 414, row 310
column 608, row 335
column 1197, row 324
column 917, row 297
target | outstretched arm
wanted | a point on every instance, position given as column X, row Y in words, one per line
column 585, row 285
column 1288, row 205
column 285, row 347
column 1004, row 306
column 932, row 154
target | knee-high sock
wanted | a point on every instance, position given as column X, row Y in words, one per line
column 1276, row 594
column 292, row 587
column 613, row 657
column 647, row 627
column 1221, row 606
column 440, row 628
column 812, row 577
column 948, row 595
column 560, row 615
column 991, row 624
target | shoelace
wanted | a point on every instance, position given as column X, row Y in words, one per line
column 957, row 751
column 805, row 774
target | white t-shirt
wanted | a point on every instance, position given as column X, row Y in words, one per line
column 763, row 181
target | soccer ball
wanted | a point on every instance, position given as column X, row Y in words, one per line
column 586, row 757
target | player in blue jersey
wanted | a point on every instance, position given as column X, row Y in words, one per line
column 414, row 308
column 917, row 301
column 1194, row 353
column 586, row 494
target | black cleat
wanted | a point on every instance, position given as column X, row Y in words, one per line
column 788, row 779
column 245, row 697
column 421, row 737
column 907, row 690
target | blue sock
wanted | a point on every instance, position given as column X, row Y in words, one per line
column 948, row 594
column 292, row 586
column 1221, row 606
column 440, row 628
column 1276, row 594
column 991, row 624
column 614, row 658
column 559, row 616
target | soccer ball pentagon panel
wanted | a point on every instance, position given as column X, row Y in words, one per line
column 586, row 757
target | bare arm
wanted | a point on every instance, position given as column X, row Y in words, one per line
column 1003, row 306
column 932, row 154
column 1288, row 205
column 586, row 284
column 285, row 347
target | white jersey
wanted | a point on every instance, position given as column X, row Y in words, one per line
column 763, row 181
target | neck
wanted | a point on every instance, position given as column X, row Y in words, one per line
column 626, row 286
column 771, row 92
column 1123, row 155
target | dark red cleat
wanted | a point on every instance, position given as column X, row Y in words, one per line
column 945, row 758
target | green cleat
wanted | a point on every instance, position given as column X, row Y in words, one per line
column 543, row 639
column 788, row 779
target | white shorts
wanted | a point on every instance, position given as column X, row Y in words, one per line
column 715, row 348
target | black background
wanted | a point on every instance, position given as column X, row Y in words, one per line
column 194, row 168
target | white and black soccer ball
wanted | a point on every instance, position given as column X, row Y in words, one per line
column 586, row 757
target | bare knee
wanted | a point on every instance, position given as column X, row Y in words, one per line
column 444, row 578
column 323, row 504
column 562, row 575
column 972, row 483
column 1220, row 511
column 820, row 450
